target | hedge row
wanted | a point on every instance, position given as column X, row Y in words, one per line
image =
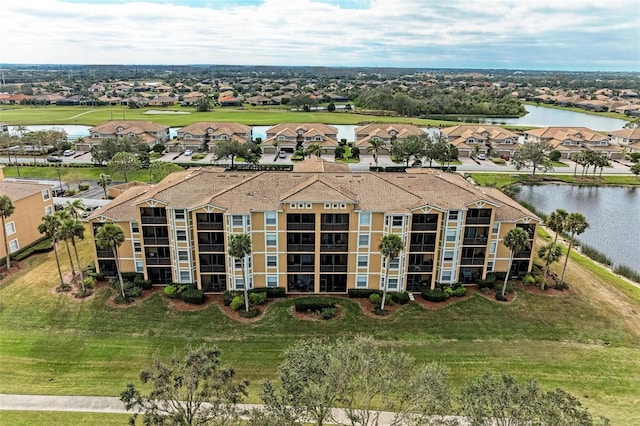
column 314, row 304
column 42, row 246
column 363, row 293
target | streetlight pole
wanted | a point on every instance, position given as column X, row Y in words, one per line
column 59, row 177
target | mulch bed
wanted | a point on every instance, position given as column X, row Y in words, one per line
column 304, row 316
column 367, row 308
column 433, row 306
column 15, row 267
column 492, row 294
column 138, row 300
column 548, row 291
column 235, row 315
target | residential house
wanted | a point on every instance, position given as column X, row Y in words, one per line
column 387, row 133
column 571, row 140
column 227, row 98
column 202, row 136
column 149, row 132
column 32, row 201
column 314, row 232
column 481, row 139
column 291, row 136
column 162, row 101
column 191, row 99
column 628, row 139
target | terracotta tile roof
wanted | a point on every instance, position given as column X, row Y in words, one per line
column 317, row 164
column 121, row 208
column 217, row 128
column 364, row 134
column 17, row 190
column 111, row 127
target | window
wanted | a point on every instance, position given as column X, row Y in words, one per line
column 48, row 210
column 397, row 221
column 137, row 248
column 236, row 220
column 183, row 255
column 239, row 283
column 272, row 261
column 492, row 247
column 134, row 227
column 139, row 266
column 393, row 284
column 45, row 194
column 365, row 219
column 179, row 214
column 272, row 281
column 448, row 255
column 363, row 240
column 451, row 236
column 361, row 281
column 181, row 235
column 363, row 261
column 490, row 266
column 270, row 218
column 446, row 276
column 237, row 263
column 13, row 246
column 10, row 228
column 272, row 240
column 395, row 263
column 185, row 276
column 453, row 215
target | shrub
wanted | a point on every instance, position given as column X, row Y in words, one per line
column 593, row 253
column 236, row 303
column 555, row 155
column 63, row 288
column 131, row 276
column 251, row 313
column 339, row 152
column 635, row 156
column 388, row 300
column 171, row 291
column 355, row 152
column 119, row 300
column 362, row 293
column 82, row 294
column 198, row 156
column 314, row 304
column 380, row 312
column 376, row 299
column 133, row 291
column 561, row 286
column 436, row 295
column 193, row 295
column 272, row 292
column 498, row 161
column 141, row 282
column 159, row 148
column 89, row 282
column 500, row 297
column 508, row 288
column 401, row 298
column 328, row 313
column 227, row 297
column 460, row 292
column 257, row 298
column 529, row 280
column 489, row 282
column 448, row 291
column 69, row 192
column 627, row 272
column 83, row 186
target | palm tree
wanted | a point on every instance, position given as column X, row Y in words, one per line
column 390, row 247
column 517, row 239
column 315, row 149
column 6, row 209
column 104, row 181
column 375, row 146
column 239, row 248
column 71, row 229
column 549, row 253
column 575, row 224
column 75, row 208
column 111, row 236
column 50, row 226
column 555, row 222
column 63, row 215
column 275, row 144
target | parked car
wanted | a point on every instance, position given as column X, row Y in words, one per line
column 188, row 152
column 505, row 157
column 282, row 154
column 482, row 156
column 54, row 159
column 68, row 152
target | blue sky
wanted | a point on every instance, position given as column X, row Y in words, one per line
column 585, row 35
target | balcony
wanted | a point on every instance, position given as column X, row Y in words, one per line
column 158, row 261
column 333, row 268
column 212, row 268
column 204, row 248
column 482, row 220
column 158, row 220
column 301, row 247
column 156, row 241
column 104, row 254
column 424, row 226
column 422, row 248
column 208, row 226
column 326, row 226
column 421, row 267
column 477, row 241
column 472, row 261
column 334, row 247
column 300, row 226
column 300, row 267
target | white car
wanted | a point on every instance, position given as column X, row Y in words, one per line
column 282, row 154
column 68, row 152
column 188, row 152
column 482, row 156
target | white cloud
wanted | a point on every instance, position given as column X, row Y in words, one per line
column 473, row 33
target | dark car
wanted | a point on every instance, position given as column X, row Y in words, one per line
column 505, row 157
column 54, row 159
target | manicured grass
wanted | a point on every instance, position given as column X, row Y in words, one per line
column 54, row 345
column 559, row 164
column 91, row 116
column 500, row 180
column 60, row 418
column 83, row 173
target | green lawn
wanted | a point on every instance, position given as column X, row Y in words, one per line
column 82, row 173
column 59, row 418
column 500, row 180
column 29, row 115
column 53, row 345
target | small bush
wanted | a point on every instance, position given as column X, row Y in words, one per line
column 380, row 312
column 500, row 297
column 227, row 297
column 362, row 293
column 436, row 295
column 314, row 304
column 388, row 300
column 257, row 298
column 561, row 286
column 119, row 300
column 89, row 282
column 376, row 299
column 63, row 288
column 131, row 276
column 485, row 290
column 69, row 192
column 498, row 161
column 251, row 313
column 328, row 313
column 460, row 292
column 82, row 294
column 193, row 296
column 448, row 291
column 594, row 254
column 133, row 291
column 401, row 298
column 140, row 282
column 83, row 186
column 171, row 291
column 529, row 280
column 272, row 292
column 489, row 282
column 236, row 303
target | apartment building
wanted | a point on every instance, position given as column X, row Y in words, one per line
column 314, row 231
column 31, row 201
column 204, row 135
column 147, row 131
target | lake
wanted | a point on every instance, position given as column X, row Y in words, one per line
column 613, row 214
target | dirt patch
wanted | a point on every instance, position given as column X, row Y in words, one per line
column 6, row 275
column 138, row 300
column 548, row 291
column 182, row 306
column 305, row 316
column 367, row 308
column 433, row 306
column 235, row 315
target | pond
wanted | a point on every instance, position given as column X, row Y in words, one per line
column 613, row 214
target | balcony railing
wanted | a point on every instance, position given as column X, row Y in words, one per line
column 334, row 226
column 477, row 241
column 154, row 219
column 301, row 247
column 158, row 260
column 333, row 268
column 204, row 248
column 156, row 241
column 300, row 268
column 297, row 226
column 334, row 247
column 472, row 261
column 423, row 248
column 212, row 268
column 210, row 226
column 478, row 220
column 424, row 226
column 421, row 267
column 105, row 254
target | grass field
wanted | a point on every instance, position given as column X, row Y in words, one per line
column 587, row 343
column 31, row 115
column 501, row 180
column 30, row 418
